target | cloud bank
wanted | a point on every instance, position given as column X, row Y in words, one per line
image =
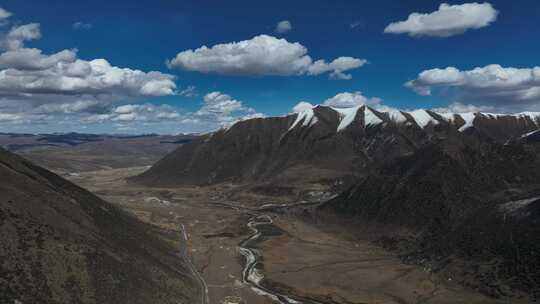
column 59, row 91
column 217, row 110
column 29, row 74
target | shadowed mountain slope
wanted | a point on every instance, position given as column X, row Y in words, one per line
column 474, row 209
column 61, row 244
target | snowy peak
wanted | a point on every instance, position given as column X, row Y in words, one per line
column 336, row 135
column 469, row 120
column 396, row 116
column 533, row 116
column 365, row 117
column 463, row 120
column 370, row 118
column 423, row 118
column 305, row 118
column 346, row 116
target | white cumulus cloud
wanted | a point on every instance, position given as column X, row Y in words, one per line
column 190, row 91
column 140, row 112
column 220, row 107
column 458, row 107
column 336, row 67
column 492, row 85
column 448, row 20
column 78, row 106
column 16, row 37
column 262, row 55
column 10, row 117
column 38, row 88
column 63, row 74
column 28, row 76
column 283, row 26
column 4, row 14
column 79, row 25
column 348, row 100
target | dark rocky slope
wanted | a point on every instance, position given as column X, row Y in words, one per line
column 61, row 244
column 474, row 213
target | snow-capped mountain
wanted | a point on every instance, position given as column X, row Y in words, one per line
column 332, row 141
column 436, row 186
column 422, row 118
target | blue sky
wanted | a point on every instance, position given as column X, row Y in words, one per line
column 142, row 35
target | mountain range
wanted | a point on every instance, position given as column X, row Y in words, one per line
column 456, row 193
column 332, row 142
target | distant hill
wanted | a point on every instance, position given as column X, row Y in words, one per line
column 61, row 244
column 75, row 152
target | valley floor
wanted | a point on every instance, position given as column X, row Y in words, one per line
column 298, row 259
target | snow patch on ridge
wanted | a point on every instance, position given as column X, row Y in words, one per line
column 307, row 117
column 514, row 206
column 450, row 117
column 530, row 133
column 423, row 118
column 534, row 116
column 396, row 116
column 346, row 116
column 469, row 119
column 494, row 115
column 370, row 118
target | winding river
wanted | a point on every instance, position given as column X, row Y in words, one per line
column 251, row 275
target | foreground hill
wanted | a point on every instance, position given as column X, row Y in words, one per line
column 61, row 244
column 457, row 193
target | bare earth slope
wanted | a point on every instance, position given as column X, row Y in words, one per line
column 61, row 244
